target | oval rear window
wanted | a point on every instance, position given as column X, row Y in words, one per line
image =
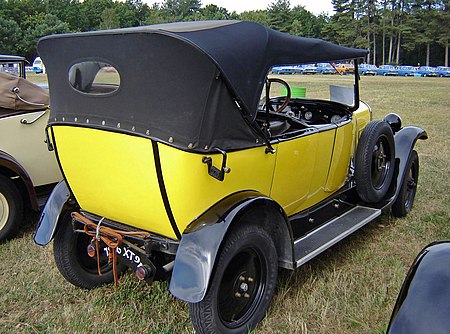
column 94, row 77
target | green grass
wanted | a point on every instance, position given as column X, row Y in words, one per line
column 350, row 288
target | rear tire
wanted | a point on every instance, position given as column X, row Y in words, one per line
column 405, row 200
column 72, row 260
column 242, row 285
column 11, row 209
column 374, row 165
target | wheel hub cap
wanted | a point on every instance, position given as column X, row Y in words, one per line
column 244, row 287
column 381, row 159
column 4, row 211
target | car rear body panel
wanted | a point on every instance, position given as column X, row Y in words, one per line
column 128, row 192
column 132, row 192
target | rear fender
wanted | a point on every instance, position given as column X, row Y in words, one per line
column 48, row 221
column 202, row 240
column 405, row 139
column 15, row 168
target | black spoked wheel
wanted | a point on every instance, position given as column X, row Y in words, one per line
column 242, row 286
column 73, row 261
column 405, row 200
column 11, row 209
column 375, row 158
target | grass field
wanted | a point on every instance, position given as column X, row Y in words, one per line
column 350, row 288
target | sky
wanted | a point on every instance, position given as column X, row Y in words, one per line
column 239, row 6
column 314, row 6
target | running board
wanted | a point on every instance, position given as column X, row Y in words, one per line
column 332, row 232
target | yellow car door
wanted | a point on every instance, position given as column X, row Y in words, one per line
column 301, row 169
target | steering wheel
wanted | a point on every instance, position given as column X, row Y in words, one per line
column 287, row 98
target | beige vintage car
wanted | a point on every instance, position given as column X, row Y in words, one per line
column 28, row 171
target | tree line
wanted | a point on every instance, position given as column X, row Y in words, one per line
column 394, row 31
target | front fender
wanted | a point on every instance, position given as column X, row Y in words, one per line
column 201, row 242
column 50, row 215
column 405, row 140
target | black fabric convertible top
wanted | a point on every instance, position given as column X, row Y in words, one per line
column 193, row 85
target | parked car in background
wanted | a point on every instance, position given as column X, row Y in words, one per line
column 406, row 70
column 14, row 65
column 340, row 68
column 38, row 65
column 28, row 171
column 443, row 71
column 349, row 68
column 231, row 181
column 344, row 68
column 284, row 70
column 423, row 303
column 325, row 68
column 367, row 69
column 427, row 71
column 386, row 70
column 308, row 69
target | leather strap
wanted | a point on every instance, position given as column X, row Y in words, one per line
column 110, row 236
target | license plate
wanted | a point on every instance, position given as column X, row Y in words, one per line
column 127, row 255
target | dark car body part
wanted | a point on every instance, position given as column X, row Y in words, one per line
column 405, row 139
column 423, row 304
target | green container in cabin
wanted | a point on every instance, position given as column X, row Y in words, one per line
column 295, row 91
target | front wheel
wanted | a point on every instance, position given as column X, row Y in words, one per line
column 405, row 200
column 242, row 285
column 73, row 261
column 11, row 208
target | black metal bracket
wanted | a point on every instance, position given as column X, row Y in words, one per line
column 47, row 140
column 215, row 172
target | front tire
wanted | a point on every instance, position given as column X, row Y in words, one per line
column 73, row 261
column 405, row 200
column 11, row 209
column 242, row 285
column 374, row 165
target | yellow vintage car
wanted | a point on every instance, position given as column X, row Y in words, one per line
column 183, row 160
